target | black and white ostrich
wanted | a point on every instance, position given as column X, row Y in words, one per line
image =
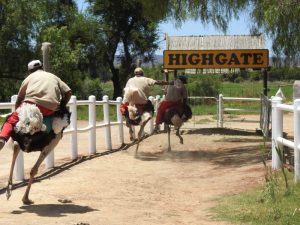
column 138, row 115
column 176, row 118
column 30, row 134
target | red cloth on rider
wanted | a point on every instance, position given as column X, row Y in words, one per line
column 165, row 105
column 123, row 108
column 14, row 118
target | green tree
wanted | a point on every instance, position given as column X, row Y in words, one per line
column 280, row 20
column 17, row 42
column 216, row 12
column 128, row 31
column 16, row 36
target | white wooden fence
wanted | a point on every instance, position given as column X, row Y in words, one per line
column 222, row 109
column 106, row 123
column 73, row 130
column 277, row 130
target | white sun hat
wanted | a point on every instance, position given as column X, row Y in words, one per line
column 34, row 64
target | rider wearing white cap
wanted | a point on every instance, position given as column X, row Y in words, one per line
column 34, row 65
column 47, row 91
column 137, row 91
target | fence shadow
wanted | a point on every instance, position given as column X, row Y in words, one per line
column 61, row 168
column 224, row 131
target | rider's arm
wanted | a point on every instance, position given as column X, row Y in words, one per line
column 163, row 82
column 66, row 98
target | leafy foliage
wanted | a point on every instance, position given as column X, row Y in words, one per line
column 206, row 86
column 128, row 28
column 280, row 20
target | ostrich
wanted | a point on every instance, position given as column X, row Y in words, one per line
column 176, row 117
column 137, row 114
column 30, row 134
column 171, row 117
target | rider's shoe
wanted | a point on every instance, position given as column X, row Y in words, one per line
column 2, row 143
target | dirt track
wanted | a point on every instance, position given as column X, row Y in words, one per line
column 157, row 187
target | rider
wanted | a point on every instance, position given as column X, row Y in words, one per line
column 175, row 97
column 141, row 87
column 43, row 89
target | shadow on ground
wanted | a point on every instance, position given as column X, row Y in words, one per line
column 223, row 131
column 61, row 168
column 231, row 157
column 244, row 151
column 54, row 210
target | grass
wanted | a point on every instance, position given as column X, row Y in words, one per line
column 274, row 203
column 254, row 89
column 256, row 207
column 83, row 113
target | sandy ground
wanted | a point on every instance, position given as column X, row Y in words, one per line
column 156, row 187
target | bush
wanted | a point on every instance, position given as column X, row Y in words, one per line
column 255, row 75
column 8, row 88
column 207, row 85
column 94, row 87
column 231, row 77
column 107, row 89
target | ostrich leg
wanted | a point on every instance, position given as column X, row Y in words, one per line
column 36, row 166
column 16, row 149
column 140, row 133
column 131, row 133
column 179, row 136
column 169, row 138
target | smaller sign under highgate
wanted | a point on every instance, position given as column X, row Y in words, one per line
column 210, row 59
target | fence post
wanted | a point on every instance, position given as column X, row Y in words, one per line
column 19, row 165
column 73, row 126
column 49, row 160
column 297, row 140
column 220, row 114
column 277, row 120
column 92, row 123
column 120, row 120
column 151, row 125
column 107, row 122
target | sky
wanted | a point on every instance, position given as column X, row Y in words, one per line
column 235, row 27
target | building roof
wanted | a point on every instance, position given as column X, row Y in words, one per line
column 215, row 42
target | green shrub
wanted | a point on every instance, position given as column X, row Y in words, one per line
column 229, row 76
column 255, row 75
column 207, row 85
column 107, row 89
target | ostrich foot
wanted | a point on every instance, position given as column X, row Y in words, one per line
column 8, row 190
column 27, row 201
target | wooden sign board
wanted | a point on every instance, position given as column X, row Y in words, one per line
column 213, row 59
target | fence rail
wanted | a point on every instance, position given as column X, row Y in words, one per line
column 73, row 129
column 278, row 141
column 222, row 109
